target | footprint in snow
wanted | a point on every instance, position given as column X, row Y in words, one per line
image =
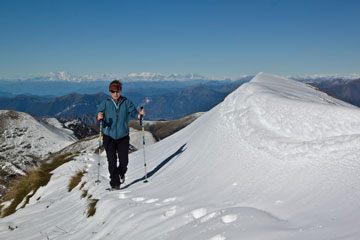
column 218, row 237
column 138, row 199
column 198, row 213
column 152, row 200
column 122, row 195
column 169, row 200
column 229, row 218
column 209, row 217
column 170, row 212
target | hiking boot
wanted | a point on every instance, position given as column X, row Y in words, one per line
column 115, row 188
column 122, row 178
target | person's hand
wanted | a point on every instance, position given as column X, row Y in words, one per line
column 100, row 116
column 141, row 113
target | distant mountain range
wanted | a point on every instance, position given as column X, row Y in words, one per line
column 57, row 84
column 62, row 83
column 72, row 105
column 163, row 100
column 132, row 77
column 166, row 100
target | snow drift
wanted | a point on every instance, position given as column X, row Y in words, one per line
column 276, row 160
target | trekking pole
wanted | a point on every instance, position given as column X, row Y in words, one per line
column 143, row 136
column 100, row 144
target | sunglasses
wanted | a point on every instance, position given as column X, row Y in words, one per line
column 114, row 91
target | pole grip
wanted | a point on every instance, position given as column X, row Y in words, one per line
column 141, row 117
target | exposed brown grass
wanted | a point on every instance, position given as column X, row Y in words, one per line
column 84, row 193
column 163, row 129
column 92, row 207
column 13, row 115
column 82, row 185
column 1, row 206
column 24, row 185
column 75, row 180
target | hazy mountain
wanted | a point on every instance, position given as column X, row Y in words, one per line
column 6, row 94
column 182, row 103
column 162, row 100
column 63, row 83
column 165, row 100
column 346, row 90
column 72, row 105
column 324, row 77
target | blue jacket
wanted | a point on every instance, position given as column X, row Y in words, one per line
column 116, row 116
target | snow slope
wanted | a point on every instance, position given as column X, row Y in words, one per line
column 276, row 160
column 41, row 136
column 136, row 138
column 25, row 139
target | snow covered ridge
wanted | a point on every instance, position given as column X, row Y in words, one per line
column 37, row 137
column 25, row 140
column 293, row 113
column 276, row 159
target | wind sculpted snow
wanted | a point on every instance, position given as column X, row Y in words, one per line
column 276, row 160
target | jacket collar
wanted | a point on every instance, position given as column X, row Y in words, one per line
column 121, row 100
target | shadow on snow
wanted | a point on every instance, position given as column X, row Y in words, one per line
column 158, row 167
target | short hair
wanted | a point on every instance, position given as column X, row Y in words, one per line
column 116, row 84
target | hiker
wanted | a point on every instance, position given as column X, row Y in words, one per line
column 115, row 112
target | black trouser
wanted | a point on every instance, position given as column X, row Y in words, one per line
column 121, row 147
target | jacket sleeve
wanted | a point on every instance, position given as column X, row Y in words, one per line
column 101, row 108
column 132, row 111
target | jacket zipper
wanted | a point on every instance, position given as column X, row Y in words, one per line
column 116, row 126
column 117, row 107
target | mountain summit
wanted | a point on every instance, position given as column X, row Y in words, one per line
column 277, row 159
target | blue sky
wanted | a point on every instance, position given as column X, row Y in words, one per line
column 218, row 38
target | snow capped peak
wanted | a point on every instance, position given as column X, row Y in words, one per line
column 144, row 75
column 61, row 76
column 65, row 76
column 319, row 77
column 148, row 76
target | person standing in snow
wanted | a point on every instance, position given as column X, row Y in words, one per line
column 115, row 112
